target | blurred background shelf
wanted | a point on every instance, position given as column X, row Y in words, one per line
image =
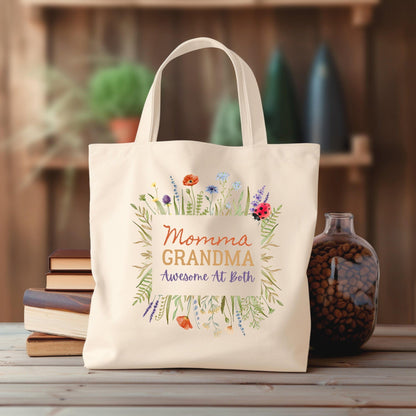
column 361, row 10
column 359, row 157
column 201, row 3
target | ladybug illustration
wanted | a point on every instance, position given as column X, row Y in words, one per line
column 262, row 211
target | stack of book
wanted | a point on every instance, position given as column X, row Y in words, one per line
column 58, row 314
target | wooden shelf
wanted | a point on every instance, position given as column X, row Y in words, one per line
column 57, row 163
column 358, row 158
column 361, row 10
column 201, row 3
column 355, row 161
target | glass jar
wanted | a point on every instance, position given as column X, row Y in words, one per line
column 343, row 276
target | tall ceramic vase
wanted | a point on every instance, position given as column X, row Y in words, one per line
column 226, row 129
column 325, row 117
column 279, row 102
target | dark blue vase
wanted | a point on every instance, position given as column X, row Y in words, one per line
column 325, row 117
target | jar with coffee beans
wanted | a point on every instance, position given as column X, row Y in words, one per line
column 343, row 276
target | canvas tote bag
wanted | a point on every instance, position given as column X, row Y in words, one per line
column 199, row 251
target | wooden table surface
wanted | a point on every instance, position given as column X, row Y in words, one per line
column 379, row 381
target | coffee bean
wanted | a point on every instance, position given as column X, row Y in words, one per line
column 358, row 258
column 326, row 272
column 341, row 304
column 315, row 285
column 346, row 247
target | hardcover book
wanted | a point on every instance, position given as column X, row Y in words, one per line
column 45, row 345
column 67, row 260
column 58, row 313
column 69, row 281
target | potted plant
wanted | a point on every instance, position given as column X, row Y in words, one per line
column 117, row 95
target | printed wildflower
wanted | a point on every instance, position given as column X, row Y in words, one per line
column 175, row 188
column 219, row 314
column 184, row 322
column 222, row 176
column 211, row 189
column 236, row 185
column 240, row 322
column 166, row 200
column 190, row 180
column 196, row 313
column 148, row 309
column 257, row 199
column 154, row 310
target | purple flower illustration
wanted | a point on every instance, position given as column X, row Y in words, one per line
column 166, row 199
column 154, row 310
column 257, row 198
column 148, row 308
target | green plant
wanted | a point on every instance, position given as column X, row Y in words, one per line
column 62, row 126
column 119, row 91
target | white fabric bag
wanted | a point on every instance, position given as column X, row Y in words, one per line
column 199, row 251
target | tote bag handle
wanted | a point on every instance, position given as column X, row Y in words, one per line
column 251, row 110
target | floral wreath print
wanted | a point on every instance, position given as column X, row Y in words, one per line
column 225, row 197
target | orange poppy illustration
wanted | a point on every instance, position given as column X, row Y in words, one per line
column 190, row 180
column 184, row 322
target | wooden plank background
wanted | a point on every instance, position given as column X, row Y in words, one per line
column 376, row 66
